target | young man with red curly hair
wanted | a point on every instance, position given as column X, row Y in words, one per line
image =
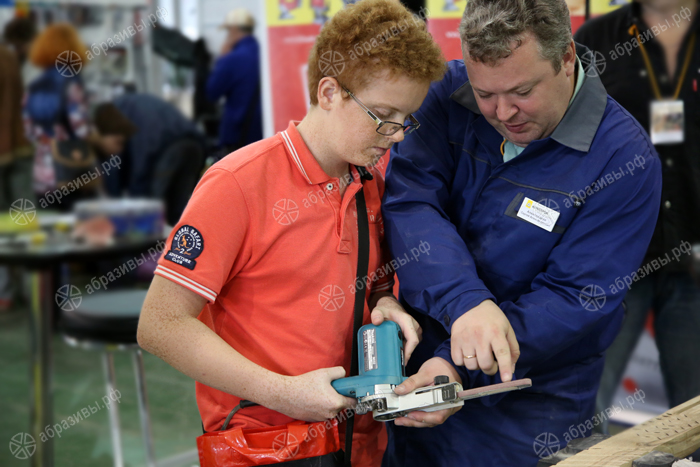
column 258, row 304
column 55, row 106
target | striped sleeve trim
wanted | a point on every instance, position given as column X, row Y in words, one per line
column 178, row 278
column 384, row 287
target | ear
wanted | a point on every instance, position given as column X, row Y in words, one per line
column 569, row 60
column 328, row 92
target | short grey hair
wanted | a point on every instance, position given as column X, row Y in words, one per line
column 489, row 27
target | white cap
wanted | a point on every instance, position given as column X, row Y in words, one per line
column 240, row 17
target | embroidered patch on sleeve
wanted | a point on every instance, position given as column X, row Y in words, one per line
column 187, row 245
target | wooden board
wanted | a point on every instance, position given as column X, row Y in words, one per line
column 676, row 431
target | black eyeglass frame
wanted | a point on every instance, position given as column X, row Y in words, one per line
column 407, row 129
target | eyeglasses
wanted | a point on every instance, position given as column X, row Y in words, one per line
column 387, row 128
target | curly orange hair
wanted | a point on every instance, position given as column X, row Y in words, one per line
column 57, row 39
column 370, row 37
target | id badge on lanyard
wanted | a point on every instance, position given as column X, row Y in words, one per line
column 667, row 122
column 666, row 116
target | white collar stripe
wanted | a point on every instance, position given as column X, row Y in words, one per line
column 295, row 155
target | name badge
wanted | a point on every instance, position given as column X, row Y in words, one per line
column 667, row 122
column 538, row 214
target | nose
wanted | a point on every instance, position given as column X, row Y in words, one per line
column 504, row 109
column 397, row 137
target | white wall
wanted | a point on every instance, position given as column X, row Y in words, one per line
column 6, row 15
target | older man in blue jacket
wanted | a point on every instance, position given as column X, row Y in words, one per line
column 236, row 77
column 536, row 195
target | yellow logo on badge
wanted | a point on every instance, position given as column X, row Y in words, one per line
column 528, row 204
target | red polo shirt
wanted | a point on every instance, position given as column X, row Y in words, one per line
column 267, row 239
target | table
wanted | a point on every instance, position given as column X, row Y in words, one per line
column 40, row 260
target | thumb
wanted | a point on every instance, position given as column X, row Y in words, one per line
column 416, row 381
column 377, row 317
column 336, row 372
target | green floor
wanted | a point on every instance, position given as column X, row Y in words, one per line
column 78, row 383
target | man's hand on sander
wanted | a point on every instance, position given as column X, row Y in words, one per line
column 310, row 397
column 389, row 309
column 481, row 333
column 436, row 366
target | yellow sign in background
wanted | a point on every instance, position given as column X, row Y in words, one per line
column 301, row 12
column 600, row 7
column 438, row 9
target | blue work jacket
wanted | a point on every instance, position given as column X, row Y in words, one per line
column 451, row 217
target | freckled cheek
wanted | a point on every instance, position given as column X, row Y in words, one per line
column 365, row 139
column 354, row 142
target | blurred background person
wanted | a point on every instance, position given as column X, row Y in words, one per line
column 15, row 153
column 15, row 149
column 665, row 65
column 236, row 78
column 162, row 152
column 55, row 107
column 19, row 34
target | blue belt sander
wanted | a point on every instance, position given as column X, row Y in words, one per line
column 382, row 367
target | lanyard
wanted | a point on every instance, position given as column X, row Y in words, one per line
column 652, row 78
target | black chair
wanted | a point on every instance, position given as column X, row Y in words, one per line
column 107, row 322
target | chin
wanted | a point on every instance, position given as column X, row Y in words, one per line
column 366, row 159
column 370, row 161
column 519, row 138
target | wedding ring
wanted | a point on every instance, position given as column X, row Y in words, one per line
column 470, row 356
